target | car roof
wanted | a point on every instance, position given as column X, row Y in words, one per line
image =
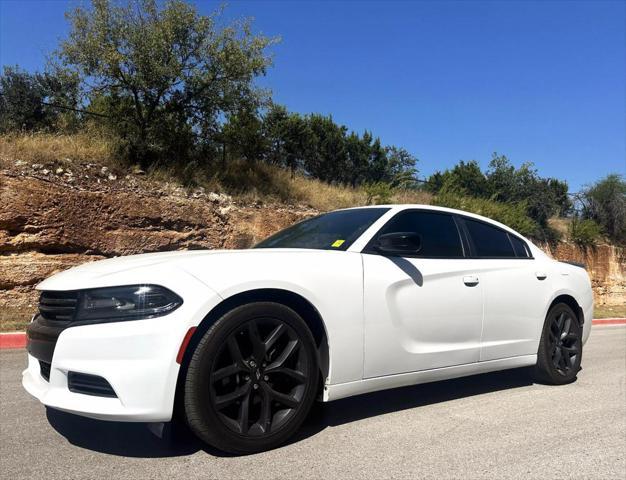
column 397, row 207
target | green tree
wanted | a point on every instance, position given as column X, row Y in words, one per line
column 401, row 166
column 37, row 101
column 289, row 137
column 243, row 134
column 605, row 203
column 543, row 197
column 168, row 72
column 466, row 177
column 328, row 160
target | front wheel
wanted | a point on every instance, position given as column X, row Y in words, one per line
column 252, row 379
column 560, row 349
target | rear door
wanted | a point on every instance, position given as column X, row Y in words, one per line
column 422, row 311
column 515, row 290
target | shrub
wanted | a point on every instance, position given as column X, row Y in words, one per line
column 512, row 215
column 378, row 193
column 605, row 203
column 584, row 233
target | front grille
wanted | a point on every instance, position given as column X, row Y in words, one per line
column 44, row 368
column 89, row 385
column 58, row 306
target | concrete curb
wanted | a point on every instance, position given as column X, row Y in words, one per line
column 18, row 339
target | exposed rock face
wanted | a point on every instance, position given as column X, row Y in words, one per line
column 606, row 265
column 49, row 224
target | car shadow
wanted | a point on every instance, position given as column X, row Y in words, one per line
column 140, row 439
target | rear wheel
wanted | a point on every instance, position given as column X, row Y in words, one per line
column 252, row 379
column 560, row 349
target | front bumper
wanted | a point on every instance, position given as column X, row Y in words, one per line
column 137, row 358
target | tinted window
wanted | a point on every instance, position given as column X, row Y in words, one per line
column 440, row 237
column 331, row 231
column 489, row 241
column 520, row 247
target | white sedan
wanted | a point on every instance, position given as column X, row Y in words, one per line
column 242, row 342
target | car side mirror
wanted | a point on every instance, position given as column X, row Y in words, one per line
column 399, row 243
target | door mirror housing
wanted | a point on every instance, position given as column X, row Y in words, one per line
column 399, row 244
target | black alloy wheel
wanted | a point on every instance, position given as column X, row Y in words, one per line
column 252, row 379
column 564, row 340
column 560, row 349
column 258, row 379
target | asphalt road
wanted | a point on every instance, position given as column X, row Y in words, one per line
column 490, row 426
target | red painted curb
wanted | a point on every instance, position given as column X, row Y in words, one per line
column 18, row 339
column 12, row 340
column 609, row 321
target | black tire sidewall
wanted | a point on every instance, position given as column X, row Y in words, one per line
column 545, row 370
column 201, row 416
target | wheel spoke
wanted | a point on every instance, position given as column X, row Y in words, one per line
column 244, row 412
column 225, row 400
column 287, row 400
column 284, row 355
column 226, row 372
column 567, row 360
column 559, row 323
column 258, row 346
column 295, row 374
column 553, row 336
column 235, row 352
column 566, row 327
column 556, row 358
column 266, row 413
column 274, row 336
column 570, row 337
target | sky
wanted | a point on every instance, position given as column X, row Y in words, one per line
column 537, row 81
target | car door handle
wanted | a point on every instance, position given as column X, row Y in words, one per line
column 541, row 275
column 470, row 280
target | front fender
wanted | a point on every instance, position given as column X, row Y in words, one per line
column 332, row 282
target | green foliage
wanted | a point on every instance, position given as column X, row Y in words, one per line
column 542, row 198
column 378, row 193
column 168, row 73
column 464, row 177
column 25, row 100
column 318, row 147
column 545, row 197
column 513, row 215
column 605, row 203
column 584, row 233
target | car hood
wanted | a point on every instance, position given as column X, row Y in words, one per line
column 156, row 267
column 114, row 271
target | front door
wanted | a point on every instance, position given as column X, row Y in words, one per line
column 422, row 311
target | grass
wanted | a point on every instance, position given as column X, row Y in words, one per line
column 609, row 311
column 244, row 181
column 56, row 148
column 15, row 319
column 561, row 225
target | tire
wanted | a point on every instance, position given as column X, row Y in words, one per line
column 252, row 379
column 560, row 348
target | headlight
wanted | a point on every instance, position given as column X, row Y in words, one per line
column 126, row 303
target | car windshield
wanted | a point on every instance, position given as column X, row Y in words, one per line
column 330, row 231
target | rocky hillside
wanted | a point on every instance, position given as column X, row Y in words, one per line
column 52, row 218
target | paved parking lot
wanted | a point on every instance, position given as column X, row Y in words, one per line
column 490, row 426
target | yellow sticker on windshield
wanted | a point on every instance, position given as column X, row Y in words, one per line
column 337, row 243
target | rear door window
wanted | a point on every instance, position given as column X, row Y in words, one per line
column 520, row 247
column 489, row 241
